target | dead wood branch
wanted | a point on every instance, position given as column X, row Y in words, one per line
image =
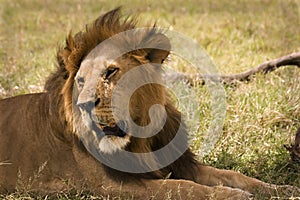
column 266, row 67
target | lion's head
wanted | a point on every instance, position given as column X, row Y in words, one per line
column 102, row 65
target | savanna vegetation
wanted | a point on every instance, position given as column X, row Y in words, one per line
column 262, row 114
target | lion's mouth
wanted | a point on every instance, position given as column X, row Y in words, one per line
column 115, row 130
column 120, row 129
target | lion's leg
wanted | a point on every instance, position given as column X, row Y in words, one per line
column 99, row 183
column 176, row 189
column 212, row 176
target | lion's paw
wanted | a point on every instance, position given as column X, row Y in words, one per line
column 230, row 194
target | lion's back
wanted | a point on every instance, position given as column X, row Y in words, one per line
column 15, row 113
column 16, row 135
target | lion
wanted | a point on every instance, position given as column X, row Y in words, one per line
column 81, row 117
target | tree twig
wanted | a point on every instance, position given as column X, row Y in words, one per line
column 266, row 67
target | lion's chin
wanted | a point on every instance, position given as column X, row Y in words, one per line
column 110, row 144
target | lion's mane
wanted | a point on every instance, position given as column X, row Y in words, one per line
column 60, row 87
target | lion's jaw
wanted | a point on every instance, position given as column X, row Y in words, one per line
column 112, row 144
column 106, row 139
column 109, row 136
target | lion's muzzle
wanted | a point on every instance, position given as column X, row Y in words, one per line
column 119, row 129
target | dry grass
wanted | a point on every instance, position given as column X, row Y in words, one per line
column 261, row 115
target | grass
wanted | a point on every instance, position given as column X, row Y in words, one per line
column 262, row 115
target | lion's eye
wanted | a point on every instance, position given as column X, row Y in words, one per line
column 110, row 72
column 80, row 81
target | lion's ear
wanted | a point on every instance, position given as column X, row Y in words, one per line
column 159, row 48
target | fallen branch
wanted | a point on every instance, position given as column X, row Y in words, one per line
column 294, row 149
column 266, row 67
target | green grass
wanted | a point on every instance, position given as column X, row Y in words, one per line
column 262, row 115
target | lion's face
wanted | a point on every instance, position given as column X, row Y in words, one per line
column 102, row 92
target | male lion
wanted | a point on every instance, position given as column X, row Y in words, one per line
column 48, row 139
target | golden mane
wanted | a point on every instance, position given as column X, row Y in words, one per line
column 76, row 49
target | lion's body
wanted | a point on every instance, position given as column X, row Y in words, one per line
column 28, row 141
column 40, row 146
column 40, row 155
